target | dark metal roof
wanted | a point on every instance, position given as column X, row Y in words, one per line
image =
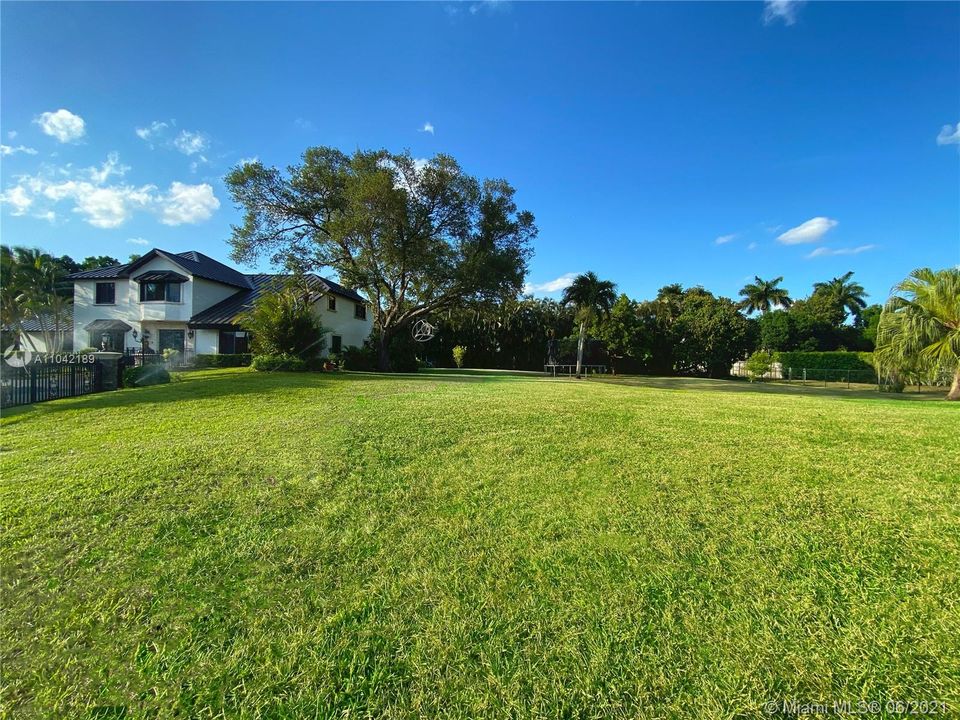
column 104, row 273
column 161, row 276
column 224, row 313
column 104, row 325
column 193, row 262
column 201, row 265
column 33, row 324
column 338, row 289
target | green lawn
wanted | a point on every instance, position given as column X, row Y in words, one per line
column 248, row 545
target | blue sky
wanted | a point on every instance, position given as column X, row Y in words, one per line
column 655, row 142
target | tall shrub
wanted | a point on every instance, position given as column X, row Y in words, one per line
column 283, row 322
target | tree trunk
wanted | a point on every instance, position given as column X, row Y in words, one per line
column 383, row 352
column 954, row 393
column 583, row 333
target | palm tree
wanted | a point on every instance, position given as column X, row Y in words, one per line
column 590, row 296
column 846, row 294
column 763, row 294
column 920, row 325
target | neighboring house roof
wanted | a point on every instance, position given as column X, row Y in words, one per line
column 193, row 262
column 225, row 312
column 104, row 273
column 338, row 289
column 33, row 324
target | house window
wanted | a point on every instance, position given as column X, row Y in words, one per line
column 159, row 292
column 360, row 311
column 332, row 304
column 336, row 342
column 106, row 293
column 234, row 342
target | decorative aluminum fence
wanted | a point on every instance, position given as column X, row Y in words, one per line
column 42, row 380
column 810, row 376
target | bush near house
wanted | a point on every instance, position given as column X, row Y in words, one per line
column 281, row 362
column 201, row 362
column 358, row 358
column 145, row 375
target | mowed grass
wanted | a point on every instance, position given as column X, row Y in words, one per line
column 486, row 545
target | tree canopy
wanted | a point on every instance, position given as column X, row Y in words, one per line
column 920, row 326
column 761, row 295
column 415, row 236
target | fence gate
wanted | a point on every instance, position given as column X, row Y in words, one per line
column 42, row 380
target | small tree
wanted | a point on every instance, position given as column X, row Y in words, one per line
column 758, row 365
column 282, row 322
column 459, row 355
column 591, row 297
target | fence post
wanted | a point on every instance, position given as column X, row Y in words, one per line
column 33, row 382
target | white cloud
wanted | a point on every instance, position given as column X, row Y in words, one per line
column 724, row 239
column 551, row 286
column 102, row 207
column 8, row 150
column 154, row 131
column 427, row 128
column 248, row 161
column 190, row 143
column 18, row 198
column 110, row 167
column 62, row 124
column 810, row 231
column 303, row 124
column 752, row 246
column 784, row 10
column 138, row 241
column 829, row 252
column 11, row 134
column 106, row 205
column 949, row 135
column 490, row 6
column 187, row 204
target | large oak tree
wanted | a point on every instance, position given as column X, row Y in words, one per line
column 415, row 236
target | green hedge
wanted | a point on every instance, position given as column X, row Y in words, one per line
column 222, row 361
column 833, row 365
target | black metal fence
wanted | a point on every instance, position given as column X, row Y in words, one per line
column 39, row 381
column 824, row 376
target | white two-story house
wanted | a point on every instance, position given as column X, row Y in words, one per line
column 189, row 302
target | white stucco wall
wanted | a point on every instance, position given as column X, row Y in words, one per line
column 205, row 341
column 85, row 311
column 206, row 293
column 343, row 323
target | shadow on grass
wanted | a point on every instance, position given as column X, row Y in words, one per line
column 221, row 384
column 224, row 383
column 771, row 388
